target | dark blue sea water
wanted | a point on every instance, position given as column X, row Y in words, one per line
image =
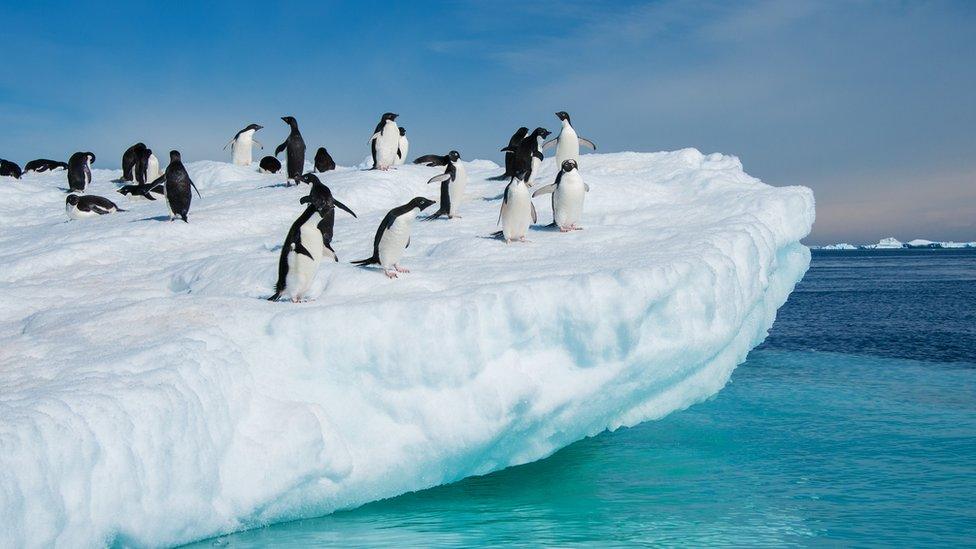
column 853, row 425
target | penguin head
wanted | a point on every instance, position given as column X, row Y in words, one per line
column 72, row 200
column 403, row 131
column 421, row 203
column 290, row 120
column 522, row 175
column 254, row 127
column 569, row 165
column 320, row 197
column 174, row 156
column 389, row 116
column 563, row 115
column 454, row 156
column 541, row 132
column 91, row 157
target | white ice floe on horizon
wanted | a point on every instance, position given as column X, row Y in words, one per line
column 149, row 395
column 894, row 244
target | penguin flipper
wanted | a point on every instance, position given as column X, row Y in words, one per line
column 509, row 148
column 544, row 190
column 586, row 186
column 439, row 177
column 372, row 149
column 431, row 160
column 538, row 155
column 501, row 177
column 281, row 147
column 550, row 144
column 258, row 142
column 535, row 216
column 586, row 142
column 399, row 153
column 228, row 144
column 328, row 246
column 299, row 249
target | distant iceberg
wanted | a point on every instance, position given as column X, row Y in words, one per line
column 892, row 243
column 150, row 396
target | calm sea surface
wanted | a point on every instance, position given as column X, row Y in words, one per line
column 854, row 424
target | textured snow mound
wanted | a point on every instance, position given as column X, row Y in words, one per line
column 149, row 395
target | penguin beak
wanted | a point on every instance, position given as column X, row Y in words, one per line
column 344, row 207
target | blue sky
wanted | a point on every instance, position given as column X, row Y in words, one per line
column 869, row 103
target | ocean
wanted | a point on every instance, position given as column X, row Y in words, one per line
column 854, row 424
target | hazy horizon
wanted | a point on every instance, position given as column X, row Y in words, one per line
column 869, row 104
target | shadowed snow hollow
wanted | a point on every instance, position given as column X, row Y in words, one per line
column 149, row 395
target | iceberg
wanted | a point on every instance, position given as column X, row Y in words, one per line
column 841, row 246
column 150, row 396
column 889, row 243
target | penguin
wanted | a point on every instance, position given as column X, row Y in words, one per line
column 517, row 211
column 528, row 155
column 453, row 181
column 393, row 237
column 10, row 169
column 567, row 142
column 79, row 171
column 309, row 240
column 80, row 207
column 513, row 144
column 129, row 160
column 146, row 190
column 43, row 165
column 269, row 164
column 435, row 159
column 323, row 161
column 296, row 150
column 177, row 187
column 240, row 145
column 385, row 142
column 403, row 147
column 568, row 193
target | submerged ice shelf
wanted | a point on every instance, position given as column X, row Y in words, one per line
column 150, row 396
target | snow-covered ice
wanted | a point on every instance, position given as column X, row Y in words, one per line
column 149, row 395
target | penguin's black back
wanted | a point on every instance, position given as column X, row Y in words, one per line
column 178, row 193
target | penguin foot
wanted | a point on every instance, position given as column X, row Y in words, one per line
column 390, row 274
column 523, row 239
column 400, row 269
column 454, row 217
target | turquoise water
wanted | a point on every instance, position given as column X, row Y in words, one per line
column 833, row 432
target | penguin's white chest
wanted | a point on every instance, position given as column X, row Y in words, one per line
column 241, row 149
column 567, row 199
column 394, row 240
column 455, row 189
column 404, row 148
column 75, row 213
column 516, row 212
column 301, row 268
column 567, row 147
column 386, row 145
column 152, row 168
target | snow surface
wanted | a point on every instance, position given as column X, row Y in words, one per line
column 149, row 395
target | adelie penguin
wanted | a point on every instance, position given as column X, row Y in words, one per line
column 10, row 169
column 80, row 207
column 309, row 240
column 295, row 146
column 269, row 164
column 79, row 171
column 130, row 158
column 528, row 155
column 385, row 142
column 146, row 190
column 323, row 161
column 453, row 181
column 567, row 142
column 42, row 165
column 241, row 145
column 568, row 193
column 517, row 213
column 513, row 144
column 393, row 237
column 178, row 183
column 403, row 148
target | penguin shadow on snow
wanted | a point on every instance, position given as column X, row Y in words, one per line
column 163, row 217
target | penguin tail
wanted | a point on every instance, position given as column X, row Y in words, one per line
column 183, row 217
column 275, row 297
column 368, row 261
column 436, row 215
column 120, row 210
column 496, row 234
